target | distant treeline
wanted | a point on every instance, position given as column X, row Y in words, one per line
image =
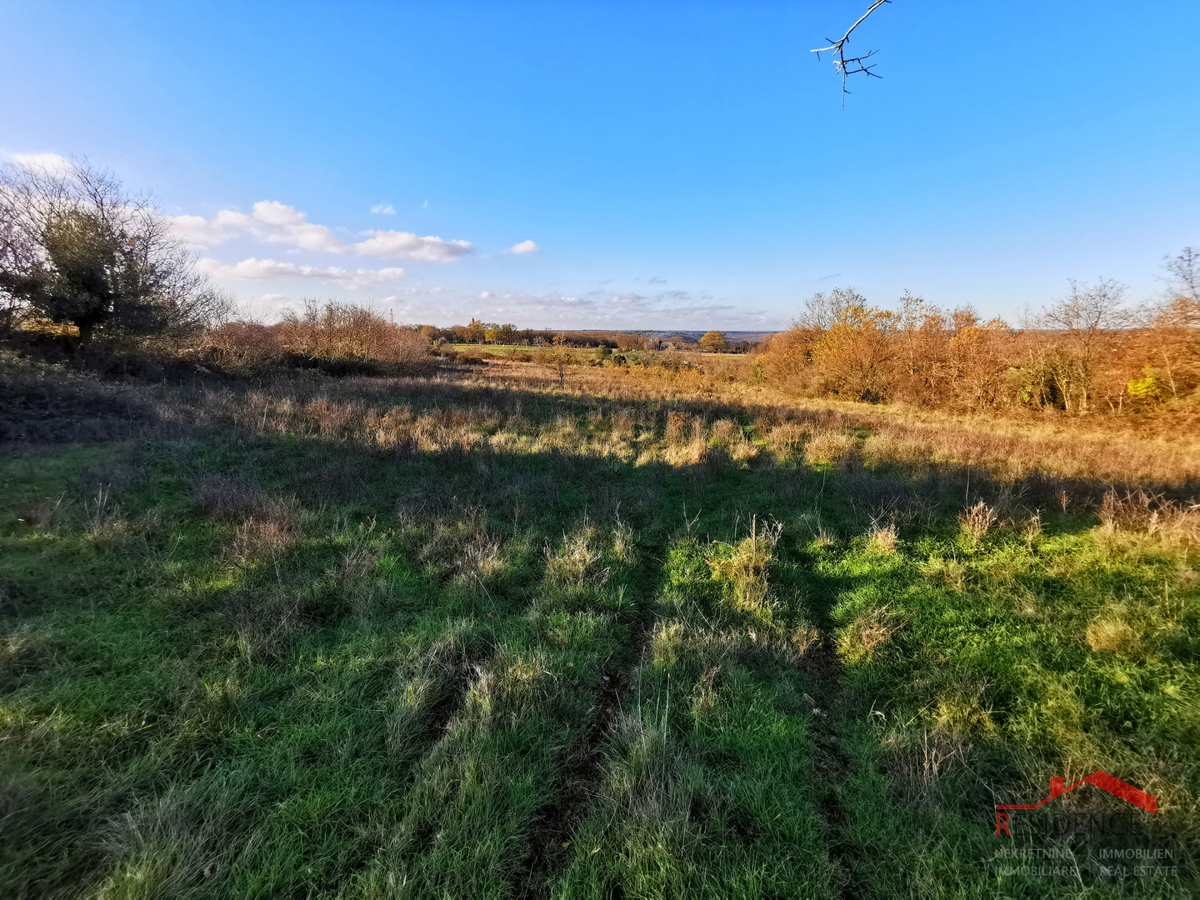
column 477, row 332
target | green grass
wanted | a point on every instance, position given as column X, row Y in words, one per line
column 546, row 649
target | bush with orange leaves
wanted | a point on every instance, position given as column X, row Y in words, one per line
column 322, row 331
column 341, row 330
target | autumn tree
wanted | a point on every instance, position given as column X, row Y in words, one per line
column 786, row 361
column 500, row 334
column 835, row 345
column 853, row 356
column 920, row 333
column 1183, row 275
column 978, row 361
column 713, row 342
column 821, row 309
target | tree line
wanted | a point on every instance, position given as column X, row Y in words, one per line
column 479, row 332
column 1089, row 351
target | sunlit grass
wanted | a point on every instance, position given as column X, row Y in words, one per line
column 440, row 637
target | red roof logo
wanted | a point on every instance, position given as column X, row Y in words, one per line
column 1102, row 780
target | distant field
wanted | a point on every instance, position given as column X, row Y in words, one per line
column 483, row 635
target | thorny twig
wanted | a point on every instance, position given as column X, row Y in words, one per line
column 851, row 65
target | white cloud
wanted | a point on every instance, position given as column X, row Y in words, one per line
column 47, row 163
column 485, row 295
column 258, row 269
column 278, row 223
column 524, row 247
column 405, row 245
column 383, row 209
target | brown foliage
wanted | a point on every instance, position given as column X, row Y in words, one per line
column 339, row 330
column 1083, row 356
column 324, row 331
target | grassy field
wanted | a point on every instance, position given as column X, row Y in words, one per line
column 480, row 635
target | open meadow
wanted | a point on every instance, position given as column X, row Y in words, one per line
column 500, row 631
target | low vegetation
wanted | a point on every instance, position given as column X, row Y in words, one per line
column 490, row 634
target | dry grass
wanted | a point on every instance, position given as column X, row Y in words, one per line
column 43, row 515
column 264, row 624
column 577, row 559
column 805, row 638
column 883, row 539
column 488, row 409
column 270, row 530
column 1142, row 512
column 828, row 447
column 1112, row 634
column 103, row 521
column 961, row 715
column 861, row 640
column 745, row 568
column 227, row 499
column 481, row 561
column 977, row 521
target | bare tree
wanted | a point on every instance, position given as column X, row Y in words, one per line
column 851, row 65
column 76, row 249
column 1183, row 275
column 1176, row 323
column 821, row 310
column 1088, row 311
column 1085, row 321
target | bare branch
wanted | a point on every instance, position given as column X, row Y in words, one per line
column 851, row 65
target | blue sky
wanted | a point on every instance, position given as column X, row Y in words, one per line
column 675, row 164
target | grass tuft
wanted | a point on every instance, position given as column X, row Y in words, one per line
column 860, row 641
column 1113, row 635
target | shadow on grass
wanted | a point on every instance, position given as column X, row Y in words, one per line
column 261, row 618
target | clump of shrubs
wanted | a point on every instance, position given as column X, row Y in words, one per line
column 335, row 339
